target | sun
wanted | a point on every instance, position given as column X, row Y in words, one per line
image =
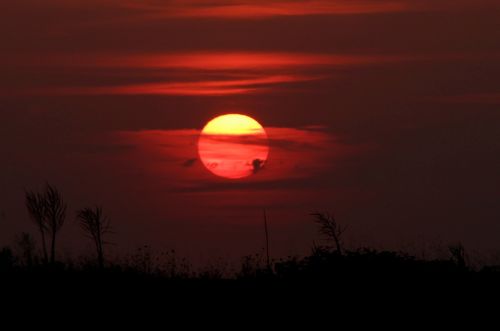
column 233, row 146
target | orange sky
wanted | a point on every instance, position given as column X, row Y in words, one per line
column 385, row 112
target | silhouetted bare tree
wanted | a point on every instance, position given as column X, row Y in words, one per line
column 330, row 228
column 96, row 226
column 55, row 214
column 35, row 203
column 48, row 211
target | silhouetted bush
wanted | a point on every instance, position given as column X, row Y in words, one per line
column 324, row 265
column 327, row 263
column 7, row 260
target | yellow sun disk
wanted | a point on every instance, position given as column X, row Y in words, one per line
column 233, row 146
column 233, row 124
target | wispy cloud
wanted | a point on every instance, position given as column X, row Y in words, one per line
column 203, row 73
column 224, row 60
column 255, row 9
column 268, row 8
column 200, row 88
column 206, row 60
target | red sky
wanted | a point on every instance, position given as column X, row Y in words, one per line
column 385, row 112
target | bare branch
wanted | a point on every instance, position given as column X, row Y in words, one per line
column 35, row 203
column 330, row 228
column 96, row 226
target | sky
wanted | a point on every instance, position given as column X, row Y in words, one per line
column 386, row 113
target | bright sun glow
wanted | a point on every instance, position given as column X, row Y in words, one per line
column 233, row 124
column 233, row 146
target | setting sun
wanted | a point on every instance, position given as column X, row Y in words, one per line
column 233, row 146
column 248, row 143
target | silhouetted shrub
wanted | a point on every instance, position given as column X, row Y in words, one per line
column 27, row 250
column 7, row 260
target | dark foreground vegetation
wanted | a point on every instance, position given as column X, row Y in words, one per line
column 29, row 263
column 323, row 263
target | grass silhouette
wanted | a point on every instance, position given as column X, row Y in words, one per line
column 323, row 264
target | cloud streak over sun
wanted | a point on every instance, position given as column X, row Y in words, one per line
column 294, row 153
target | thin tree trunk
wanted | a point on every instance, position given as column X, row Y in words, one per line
column 44, row 246
column 267, row 241
column 53, row 248
column 100, row 254
column 339, row 247
column 101, row 258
